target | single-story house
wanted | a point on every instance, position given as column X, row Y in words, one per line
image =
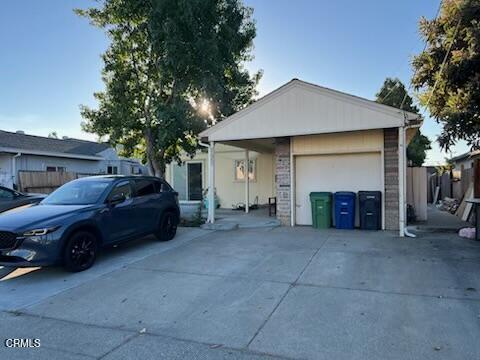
column 465, row 161
column 23, row 152
column 298, row 139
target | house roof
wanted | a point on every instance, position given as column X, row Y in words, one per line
column 466, row 155
column 302, row 108
column 19, row 142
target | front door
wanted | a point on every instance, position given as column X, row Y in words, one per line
column 194, row 179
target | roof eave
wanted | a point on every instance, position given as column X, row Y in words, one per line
column 49, row 154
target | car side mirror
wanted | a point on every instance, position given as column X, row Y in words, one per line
column 117, row 199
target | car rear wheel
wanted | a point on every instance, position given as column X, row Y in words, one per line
column 80, row 251
column 167, row 227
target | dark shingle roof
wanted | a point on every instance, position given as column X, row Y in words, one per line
column 40, row 143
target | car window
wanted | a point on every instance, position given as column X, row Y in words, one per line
column 77, row 193
column 6, row 194
column 123, row 188
column 163, row 186
column 145, row 187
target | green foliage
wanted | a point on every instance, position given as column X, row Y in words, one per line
column 164, row 60
column 394, row 93
column 446, row 167
column 451, row 89
column 417, row 149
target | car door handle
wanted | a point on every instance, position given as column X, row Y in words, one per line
column 104, row 210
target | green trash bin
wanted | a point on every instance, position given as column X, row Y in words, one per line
column 321, row 203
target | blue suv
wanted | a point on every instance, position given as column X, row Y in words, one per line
column 71, row 224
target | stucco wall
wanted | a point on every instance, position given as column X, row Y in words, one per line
column 348, row 142
column 229, row 191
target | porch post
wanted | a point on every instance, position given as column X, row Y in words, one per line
column 211, row 183
column 247, row 180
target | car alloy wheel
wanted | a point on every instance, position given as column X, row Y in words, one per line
column 81, row 251
column 168, row 226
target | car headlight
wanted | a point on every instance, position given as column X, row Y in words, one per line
column 41, row 231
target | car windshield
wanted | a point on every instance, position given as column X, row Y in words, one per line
column 77, row 193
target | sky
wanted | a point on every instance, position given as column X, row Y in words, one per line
column 50, row 59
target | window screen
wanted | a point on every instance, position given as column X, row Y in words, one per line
column 180, row 181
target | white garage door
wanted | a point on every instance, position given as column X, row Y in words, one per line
column 348, row 172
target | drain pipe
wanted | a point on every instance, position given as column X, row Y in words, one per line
column 401, row 179
column 211, row 181
column 402, row 160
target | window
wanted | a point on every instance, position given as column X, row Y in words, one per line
column 56, row 168
column 145, row 187
column 112, row 170
column 135, row 170
column 187, row 180
column 240, row 170
column 123, row 188
column 179, row 180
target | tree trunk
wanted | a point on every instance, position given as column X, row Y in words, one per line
column 157, row 167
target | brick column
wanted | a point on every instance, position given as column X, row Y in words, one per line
column 282, row 179
column 390, row 138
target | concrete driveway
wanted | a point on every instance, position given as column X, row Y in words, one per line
column 254, row 294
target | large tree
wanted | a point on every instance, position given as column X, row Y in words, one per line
column 394, row 93
column 171, row 67
column 447, row 73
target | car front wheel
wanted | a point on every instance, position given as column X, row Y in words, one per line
column 80, row 251
column 167, row 227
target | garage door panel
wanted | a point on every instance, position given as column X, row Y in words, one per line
column 340, row 172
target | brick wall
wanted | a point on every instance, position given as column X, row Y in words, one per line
column 282, row 179
column 390, row 138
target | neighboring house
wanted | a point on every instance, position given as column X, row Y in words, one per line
column 464, row 161
column 302, row 138
column 22, row 152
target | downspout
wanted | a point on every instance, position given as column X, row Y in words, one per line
column 402, row 161
column 406, row 230
column 14, row 170
column 247, row 181
column 401, row 180
column 211, row 180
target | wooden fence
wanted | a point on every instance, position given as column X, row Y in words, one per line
column 44, row 182
column 450, row 186
column 417, row 191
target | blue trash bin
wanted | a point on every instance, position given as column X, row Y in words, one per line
column 344, row 209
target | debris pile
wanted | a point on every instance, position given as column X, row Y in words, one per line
column 449, row 204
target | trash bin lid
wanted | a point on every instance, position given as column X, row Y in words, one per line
column 320, row 195
column 345, row 193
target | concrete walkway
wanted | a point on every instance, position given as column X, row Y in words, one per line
column 227, row 219
column 440, row 221
column 266, row 293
